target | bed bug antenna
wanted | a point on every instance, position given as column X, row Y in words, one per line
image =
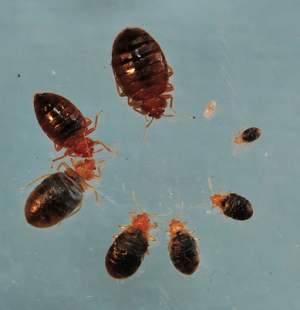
column 212, row 193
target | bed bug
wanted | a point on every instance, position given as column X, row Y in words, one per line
column 127, row 252
column 60, row 194
column 210, row 109
column 231, row 205
column 141, row 71
column 183, row 248
column 246, row 137
column 65, row 125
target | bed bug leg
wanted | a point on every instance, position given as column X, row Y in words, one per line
column 144, row 136
column 166, row 97
column 121, row 94
column 40, row 178
column 89, row 122
column 170, row 72
column 96, row 194
column 57, row 147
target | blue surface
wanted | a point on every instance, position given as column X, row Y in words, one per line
column 245, row 56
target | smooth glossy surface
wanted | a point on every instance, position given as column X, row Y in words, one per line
column 53, row 200
column 126, row 254
column 210, row 109
column 139, row 64
column 236, row 207
column 65, row 125
column 184, row 252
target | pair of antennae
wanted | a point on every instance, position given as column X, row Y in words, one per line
column 138, row 205
column 211, row 191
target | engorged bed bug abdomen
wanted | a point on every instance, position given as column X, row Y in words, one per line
column 65, row 125
column 251, row 134
column 142, row 73
column 58, row 117
column 237, row 207
column 53, row 200
column 126, row 254
column 139, row 64
column 184, row 253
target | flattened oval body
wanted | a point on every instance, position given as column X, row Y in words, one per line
column 251, row 134
column 126, row 254
column 58, row 117
column 53, row 200
column 184, row 253
column 139, row 64
column 237, row 207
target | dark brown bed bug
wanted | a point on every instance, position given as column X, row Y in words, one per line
column 65, row 125
column 127, row 252
column 60, row 194
column 141, row 71
column 232, row 205
column 246, row 137
column 183, row 248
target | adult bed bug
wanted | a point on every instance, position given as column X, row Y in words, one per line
column 60, row 194
column 127, row 252
column 65, row 125
column 231, row 205
column 183, row 248
column 141, row 71
column 246, row 137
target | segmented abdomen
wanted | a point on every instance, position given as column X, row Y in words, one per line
column 139, row 64
column 126, row 254
column 52, row 201
column 184, row 253
column 237, row 207
column 251, row 134
column 58, row 117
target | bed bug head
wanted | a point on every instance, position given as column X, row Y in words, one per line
column 154, row 105
column 176, row 225
column 142, row 220
column 217, row 199
column 86, row 169
column 237, row 139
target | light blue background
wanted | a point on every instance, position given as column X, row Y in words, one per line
column 242, row 54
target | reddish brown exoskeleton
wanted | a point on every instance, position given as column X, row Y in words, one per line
column 60, row 194
column 142, row 73
column 127, row 252
column 65, row 125
column 183, row 248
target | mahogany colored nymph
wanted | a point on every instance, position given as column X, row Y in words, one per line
column 127, row 252
column 183, row 248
